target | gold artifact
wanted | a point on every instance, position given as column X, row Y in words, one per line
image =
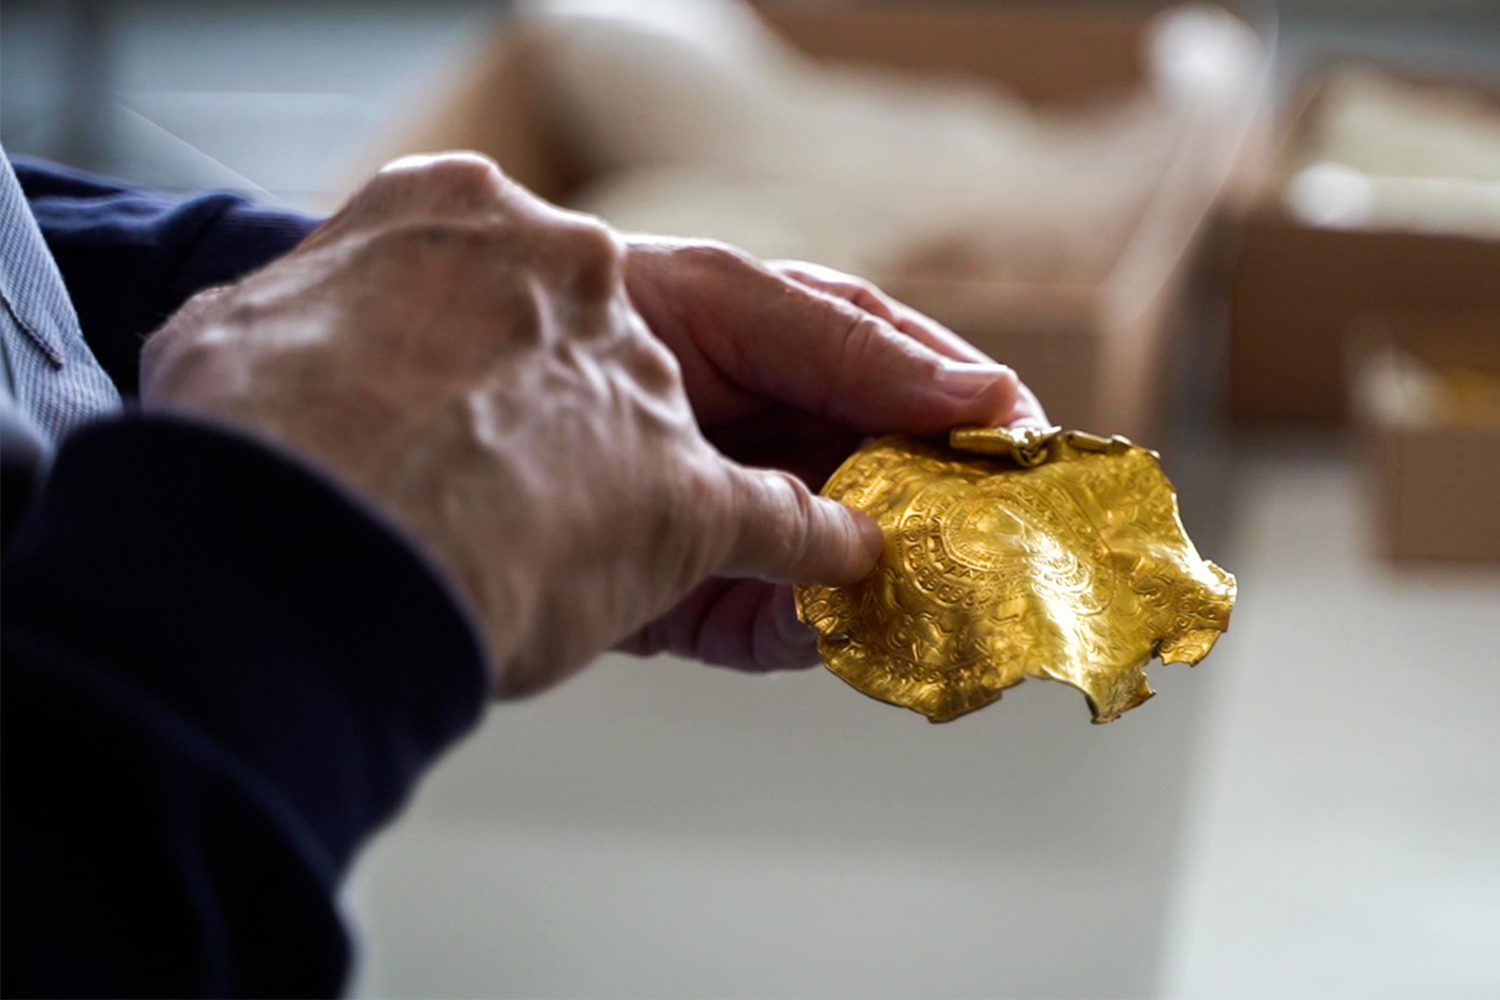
column 1012, row 554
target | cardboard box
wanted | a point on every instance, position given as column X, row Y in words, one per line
column 1427, row 398
column 1094, row 353
column 1298, row 288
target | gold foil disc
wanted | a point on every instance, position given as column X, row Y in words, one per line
column 1015, row 554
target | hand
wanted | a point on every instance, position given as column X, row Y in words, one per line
column 791, row 365
column 466, row 357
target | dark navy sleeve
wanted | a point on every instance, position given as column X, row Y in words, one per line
column 221, row 674
column 131, row 258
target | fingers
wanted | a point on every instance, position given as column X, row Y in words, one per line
column 777, row 529
column 926, row 330
column 1027, row 410
column 879, row 380
column 749, row 625
column 831, row 357
column 845, row 286
column 842, row 356
column 921, row 328
column 747, row 334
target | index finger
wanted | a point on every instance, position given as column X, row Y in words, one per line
column 873, row 299
column 920, row 327
column 823, row 354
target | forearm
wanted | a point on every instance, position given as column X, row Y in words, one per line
column 225, row 674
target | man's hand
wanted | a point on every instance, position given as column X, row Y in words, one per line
column 791, row 365
column 467, row 357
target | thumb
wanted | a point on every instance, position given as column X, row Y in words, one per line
column 780, row 530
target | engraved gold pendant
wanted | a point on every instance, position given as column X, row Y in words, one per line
column 1012, row 554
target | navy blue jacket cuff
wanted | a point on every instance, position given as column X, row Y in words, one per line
column 130, row 257
column 266, row 610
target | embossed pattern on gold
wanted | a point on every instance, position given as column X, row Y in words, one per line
column 1015, row 554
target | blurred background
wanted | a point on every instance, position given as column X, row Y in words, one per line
column 1264, row 239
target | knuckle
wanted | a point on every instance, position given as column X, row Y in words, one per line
column 716, row 255
column 840, row 279
column 787, row 505
column 863, row 336
column 460, row 172
column 864, row 289
column 873, row 338
column 595, row 254
column 445, row 181
column 800, row 533
column 872, row 353
column 654, row 365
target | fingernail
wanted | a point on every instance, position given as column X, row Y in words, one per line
column 969, row 381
